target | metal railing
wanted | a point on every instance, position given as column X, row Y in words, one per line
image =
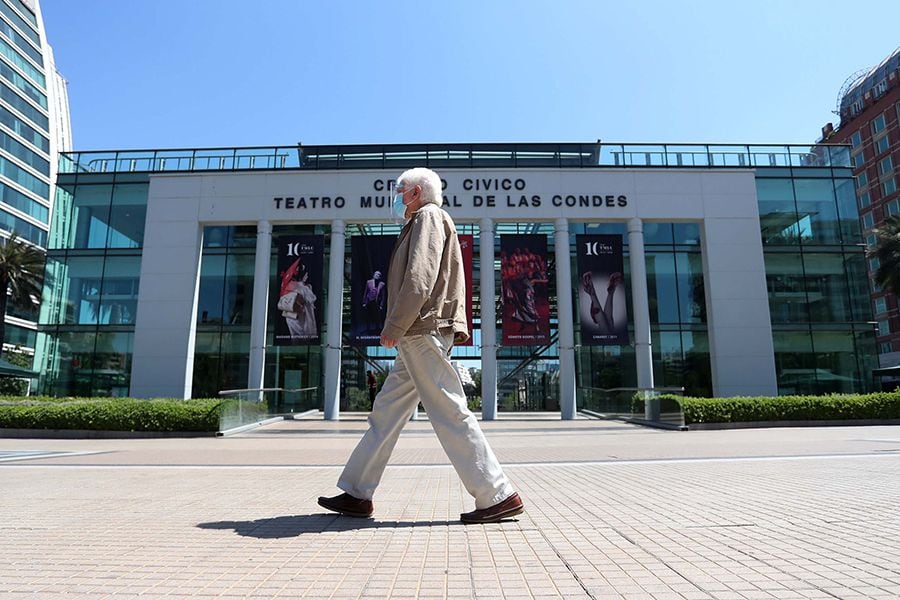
column 248, row 406
column 512, row 155
column 657, row 406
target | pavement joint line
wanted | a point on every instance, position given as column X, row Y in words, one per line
column 567, row 565
column 43, row 454
column 511, row 465
column 663, row 561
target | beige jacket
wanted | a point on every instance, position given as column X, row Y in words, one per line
column 426, row 283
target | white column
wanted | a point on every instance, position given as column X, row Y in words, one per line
column 564, row 313
column 260, row 306
column 640, row 304
column 488, row 323
column 334, row 318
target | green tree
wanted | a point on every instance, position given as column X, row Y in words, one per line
column 21, row 272
column 887, row 251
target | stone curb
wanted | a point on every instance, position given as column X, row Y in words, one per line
column 765, row 424
column 90, row 434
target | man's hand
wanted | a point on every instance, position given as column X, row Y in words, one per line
column 388, row 342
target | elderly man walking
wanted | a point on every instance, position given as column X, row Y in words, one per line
column 425, row 316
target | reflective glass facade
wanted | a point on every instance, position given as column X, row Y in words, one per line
column 815, row 272
column 32, row 96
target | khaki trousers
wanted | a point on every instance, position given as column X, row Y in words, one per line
column 423, row 372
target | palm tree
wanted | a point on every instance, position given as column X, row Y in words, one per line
column 887, row 251
column 21, row 272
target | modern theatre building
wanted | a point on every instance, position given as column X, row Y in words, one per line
column 725, row 270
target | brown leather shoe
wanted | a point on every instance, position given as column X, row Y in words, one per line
column 348, row 505
column 510, row 507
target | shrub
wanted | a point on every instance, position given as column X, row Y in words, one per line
column 111, row 414
column 880, row 405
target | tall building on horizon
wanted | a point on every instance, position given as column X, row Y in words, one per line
column 34, row 127
column 869, row 108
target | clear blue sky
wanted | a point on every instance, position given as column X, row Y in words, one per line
column 194, row 73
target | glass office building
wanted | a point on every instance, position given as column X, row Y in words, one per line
column 752, row 259
column 34, row 127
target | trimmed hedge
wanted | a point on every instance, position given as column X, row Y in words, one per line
column 111, row 414
column 880, row 405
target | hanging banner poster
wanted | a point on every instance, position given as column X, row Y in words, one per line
column 523, row 277
column 297, row 306
column 466, row 245
column 601, row 290
column 370, row 258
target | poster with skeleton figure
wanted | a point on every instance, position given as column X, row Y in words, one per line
column 601, row 290
column 370, row 259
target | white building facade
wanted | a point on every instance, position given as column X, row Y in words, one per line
column 163, row 269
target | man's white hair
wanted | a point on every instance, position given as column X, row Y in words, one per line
column 429, row 181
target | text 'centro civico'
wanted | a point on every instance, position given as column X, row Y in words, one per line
column 480, row 192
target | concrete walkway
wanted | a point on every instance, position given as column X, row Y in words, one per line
column 612, row 511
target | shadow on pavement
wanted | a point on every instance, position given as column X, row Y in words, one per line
column 292, row 526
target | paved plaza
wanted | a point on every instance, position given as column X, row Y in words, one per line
column 612, row 511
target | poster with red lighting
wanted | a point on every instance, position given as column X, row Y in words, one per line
column 466, row 245
column 524, row 294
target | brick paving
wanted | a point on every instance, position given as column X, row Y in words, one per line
column 613, row 511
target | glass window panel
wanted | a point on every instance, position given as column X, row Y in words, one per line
column 888, row 187
column 787, row 292
column 118, row 303
column 207, row 365
column 243, row 236
column 662, row 287
column 827, row 287
column 687, row 234
column 795, row 362
column 880, row 305
column 216, row 237
column 691, row 291
column 857, row 280
column 79, row 279
column 836, row 365
column 20, row 336
column 212, row 287
column 128, row 213
column 89, row 224
column 668, row 360
column 868, row 220
column 73, row 363
column 604, row 367
column 697, row 378
column 817, row 210
column 112, row 364
column 658, row 233
column 777, row 211
column 847, row 211
column 238, row 289
column 235, row 360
